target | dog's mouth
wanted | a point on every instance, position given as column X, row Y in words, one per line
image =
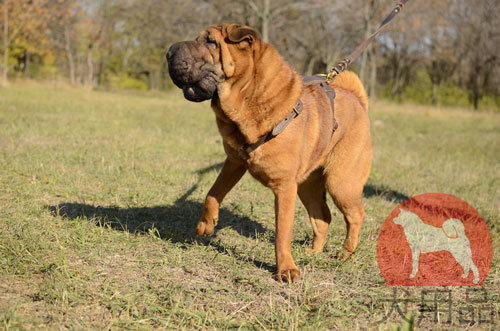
column 200, row 90
column 188, row 70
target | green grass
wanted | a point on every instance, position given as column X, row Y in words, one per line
column 100, row 194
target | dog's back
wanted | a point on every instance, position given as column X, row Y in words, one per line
column 350, row 81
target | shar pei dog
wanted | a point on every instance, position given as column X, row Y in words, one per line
column 253, row 92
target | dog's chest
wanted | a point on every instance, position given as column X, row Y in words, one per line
column 264, row 169
column 230, row 133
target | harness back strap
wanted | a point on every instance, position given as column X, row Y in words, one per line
column 330, row 92
column 297, row 109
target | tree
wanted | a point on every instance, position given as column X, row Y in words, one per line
column 478, row 41
column 5, row 41
column 64, row 34
column 24, row 23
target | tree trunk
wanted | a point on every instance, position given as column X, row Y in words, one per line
column 395, row 84
column 264, row 16
column 100, row 74
column 90, row 67
column 163, row 76
column 367, row 8
column 152, row 83
column 476, row 85
column 5, row 41
column 265, row 20
column 309, row 66
column 476, row 96
column 69, row 55
column 373, row 74
column 27, row 64
column 433, row 93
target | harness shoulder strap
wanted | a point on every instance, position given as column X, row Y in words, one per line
column 297, row 109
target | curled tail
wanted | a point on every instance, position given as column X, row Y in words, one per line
column 348, row 80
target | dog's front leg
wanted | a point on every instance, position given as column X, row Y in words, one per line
column 230, row 174
column 285, row 197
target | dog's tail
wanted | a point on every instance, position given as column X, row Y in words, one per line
column 348, row 80
column 454, row 228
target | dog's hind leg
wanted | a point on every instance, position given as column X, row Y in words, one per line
column 230, row 174
column 312, row 193
column 346, row 174
column 350, row 205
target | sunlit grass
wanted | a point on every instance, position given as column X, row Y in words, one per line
column 100, row 193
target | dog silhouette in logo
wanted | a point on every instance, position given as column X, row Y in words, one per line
column 424, row 238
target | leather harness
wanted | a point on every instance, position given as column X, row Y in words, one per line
column 297, row 109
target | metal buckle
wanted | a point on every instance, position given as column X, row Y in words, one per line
column 298, row 107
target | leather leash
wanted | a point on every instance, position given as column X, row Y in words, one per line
column 342, row 65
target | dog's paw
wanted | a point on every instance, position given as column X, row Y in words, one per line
column 313, row 251
column 205, row 228
column 343, row 254
column 288, row 275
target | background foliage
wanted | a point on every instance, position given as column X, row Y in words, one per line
column 440, row 52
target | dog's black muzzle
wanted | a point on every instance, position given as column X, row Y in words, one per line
column 197, row 79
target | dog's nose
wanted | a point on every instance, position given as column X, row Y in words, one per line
column 173, row 49
column 169, row 54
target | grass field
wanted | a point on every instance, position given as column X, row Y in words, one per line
column 100, row 193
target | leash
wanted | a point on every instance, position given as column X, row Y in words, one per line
column 342, row 65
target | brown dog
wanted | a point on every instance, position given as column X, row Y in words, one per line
column 252, row 90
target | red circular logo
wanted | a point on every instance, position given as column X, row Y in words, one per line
column 434, row 239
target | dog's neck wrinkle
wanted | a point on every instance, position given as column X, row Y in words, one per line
column 264, row 98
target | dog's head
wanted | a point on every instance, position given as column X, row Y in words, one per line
column 219, row 53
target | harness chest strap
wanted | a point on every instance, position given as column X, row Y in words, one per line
column 297, row 109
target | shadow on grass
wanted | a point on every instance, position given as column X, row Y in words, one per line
column 175, row 223
column 386, row 194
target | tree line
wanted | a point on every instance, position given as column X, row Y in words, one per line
column 435, row 51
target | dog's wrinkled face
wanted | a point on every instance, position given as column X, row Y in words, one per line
column 198, row 67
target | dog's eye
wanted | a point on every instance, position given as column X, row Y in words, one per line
column 210, row 41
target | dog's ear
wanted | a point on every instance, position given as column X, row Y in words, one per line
column 227, row 61
column 238, row 33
